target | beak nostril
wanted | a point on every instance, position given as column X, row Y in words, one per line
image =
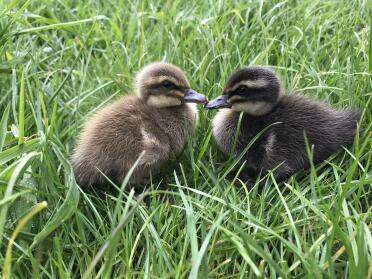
column 192, row 96
column 218, row 102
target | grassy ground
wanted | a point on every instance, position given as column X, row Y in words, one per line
column 61, row 60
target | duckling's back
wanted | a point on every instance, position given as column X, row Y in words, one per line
column 283, row 143
column 322, row 124
column 327, row 129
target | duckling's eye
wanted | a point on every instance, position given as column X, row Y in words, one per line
column 242, row 89
column 168, row 84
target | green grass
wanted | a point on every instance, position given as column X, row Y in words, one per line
column 61, row 60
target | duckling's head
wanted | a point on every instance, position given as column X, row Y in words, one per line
column 165, row 85
column 254, row 90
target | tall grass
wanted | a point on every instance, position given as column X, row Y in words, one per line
column 62, row 60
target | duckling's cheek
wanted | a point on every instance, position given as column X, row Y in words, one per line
column 252, row 108
column 162, row 101
column 241, row 107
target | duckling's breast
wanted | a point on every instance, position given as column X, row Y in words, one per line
column 224, row 128
column 177, row 123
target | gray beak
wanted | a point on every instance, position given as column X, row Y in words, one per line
column 219, row 102
column 191, row 96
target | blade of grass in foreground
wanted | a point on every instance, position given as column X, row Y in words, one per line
column 18, row 171
column 114, row 235
column 21, row 224
column 4, row 35
column 370, row 40
column 191, row 226
column 289, row 215
column 113, row 239
column 17, row 151
column 125, row 183
column 3, row 126
column 69, row 205
column 107, row 266
column 21, row 111
column 13, row 197
column 61, row 25
column 143, row 230
column 199, row 257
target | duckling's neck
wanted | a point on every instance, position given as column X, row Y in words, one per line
column 184, row 111
column 192, row 109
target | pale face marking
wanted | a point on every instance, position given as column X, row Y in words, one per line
column 256, row 108
column 162, row 101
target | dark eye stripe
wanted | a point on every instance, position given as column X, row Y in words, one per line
column 168, row 84
column 249, row 90
column 161, row 85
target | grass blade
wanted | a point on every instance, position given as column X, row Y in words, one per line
column 113, row 236
column 18, row 171
column 61, row 25
column 8, row 256
column 191, row 227
column 16, row 151
column 3, row 126
column 204, row 246
column 69, row 205
column 21, row 111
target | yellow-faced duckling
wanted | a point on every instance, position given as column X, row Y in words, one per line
column 157, row 120
column 256, row 91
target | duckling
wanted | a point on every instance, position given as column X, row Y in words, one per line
column 157, row 120
column 257, row 92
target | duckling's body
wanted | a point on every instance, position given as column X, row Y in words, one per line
column 114, row 138
column 282, row 146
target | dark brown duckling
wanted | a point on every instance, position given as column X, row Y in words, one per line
column 158, row 120
column 256, row 91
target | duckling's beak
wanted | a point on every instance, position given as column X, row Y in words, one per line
column 191, row 96
column 219, row 102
